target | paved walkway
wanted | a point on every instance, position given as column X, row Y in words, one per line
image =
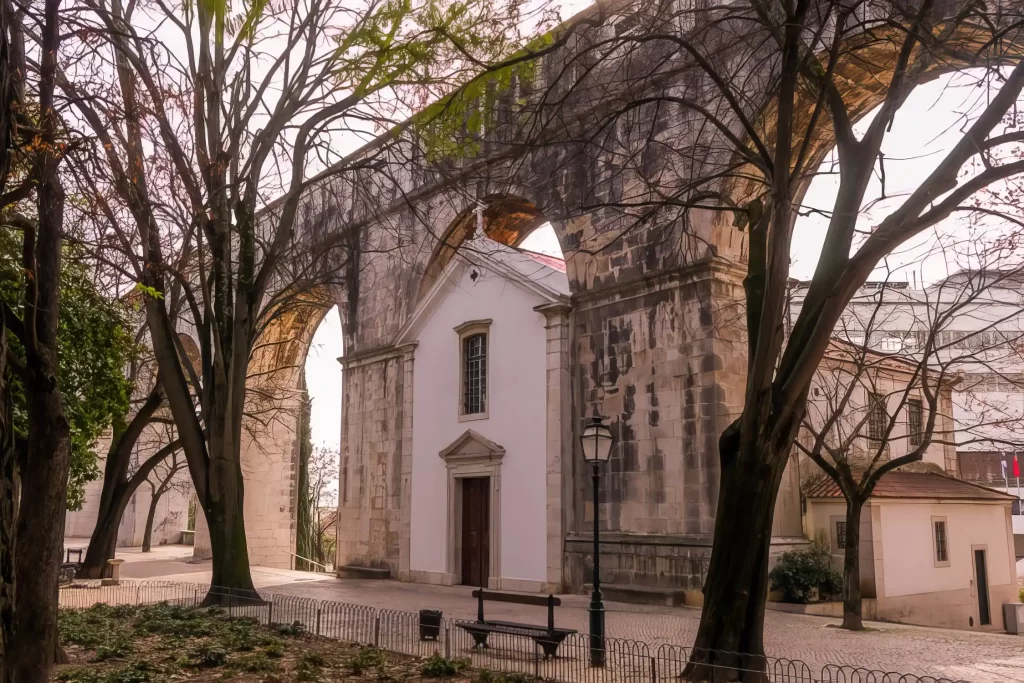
column 966, row 655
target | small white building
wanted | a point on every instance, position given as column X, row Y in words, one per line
column 935, row 550
column 490, row 391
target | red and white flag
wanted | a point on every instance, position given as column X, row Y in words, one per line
column 1016, row 466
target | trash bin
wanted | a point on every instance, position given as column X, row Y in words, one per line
column 430, row 624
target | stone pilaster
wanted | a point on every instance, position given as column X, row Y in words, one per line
column 558, row 472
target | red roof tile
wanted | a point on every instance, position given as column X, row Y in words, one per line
column 914, row 485
column 544, row 259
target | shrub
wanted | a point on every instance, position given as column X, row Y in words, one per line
column 442, row 667
column 293, row 629
column 209, row 656
column 797, row 573
column 309, row 666
column 368, row 658
column 274, row 649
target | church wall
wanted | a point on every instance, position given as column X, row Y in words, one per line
column 516, row 420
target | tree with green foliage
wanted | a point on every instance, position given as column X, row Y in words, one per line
column 94, row 348
column 210, row 140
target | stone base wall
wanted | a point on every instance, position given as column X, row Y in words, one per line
column 947, row 609
column 676, row 562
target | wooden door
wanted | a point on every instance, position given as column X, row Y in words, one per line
column 981, row 575
column 476, row 527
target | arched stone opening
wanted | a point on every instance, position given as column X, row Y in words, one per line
column 506, row 219
column 272, row 429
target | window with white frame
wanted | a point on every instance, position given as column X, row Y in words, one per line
column 940, row 537
column 474, row 374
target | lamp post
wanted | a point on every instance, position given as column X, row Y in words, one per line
column 597, row 447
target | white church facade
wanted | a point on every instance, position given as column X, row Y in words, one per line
column 489, row 355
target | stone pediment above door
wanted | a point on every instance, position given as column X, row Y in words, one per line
column 472, row 447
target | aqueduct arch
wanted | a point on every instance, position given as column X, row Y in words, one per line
column 271, row 431
column 656, row 339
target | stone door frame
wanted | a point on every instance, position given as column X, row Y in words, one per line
column 471, row 456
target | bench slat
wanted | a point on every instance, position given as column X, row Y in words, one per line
column 516, row 598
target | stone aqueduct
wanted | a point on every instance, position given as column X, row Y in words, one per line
column 653, row 337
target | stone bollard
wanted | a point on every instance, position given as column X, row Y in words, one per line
column 115, row 573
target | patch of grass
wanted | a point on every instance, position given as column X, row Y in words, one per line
column 135, row 672
column 257, row 662
column 209, row 645
column 368, row 658
column 486, row 676
column 119, row 649
column 442, row 667
column 310, row 665
column 96, row 626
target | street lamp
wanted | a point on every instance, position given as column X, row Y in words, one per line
column 597, row 447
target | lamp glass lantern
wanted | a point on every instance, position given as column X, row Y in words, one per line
column 596, row 441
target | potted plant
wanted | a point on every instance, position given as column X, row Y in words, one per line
column 803, row 576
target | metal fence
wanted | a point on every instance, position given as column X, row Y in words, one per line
column 626, row 661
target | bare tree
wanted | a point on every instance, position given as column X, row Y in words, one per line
column 323, row 498
column 242, row 114
column 728, row 111
column 886, row 392
column 162, row 479
column 119, row 482
column 35, row 477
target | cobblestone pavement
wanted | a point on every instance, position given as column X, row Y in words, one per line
column 965, row 655
column 958, row 655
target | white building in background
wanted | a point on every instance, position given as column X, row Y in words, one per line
column 490, row 391
column 978, row 320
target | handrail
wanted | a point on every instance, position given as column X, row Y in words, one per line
column 300, row 557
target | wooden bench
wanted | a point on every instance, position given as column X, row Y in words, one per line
column 69, row 569
column 548, row 637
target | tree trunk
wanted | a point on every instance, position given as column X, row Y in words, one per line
column 118, row 489
column 103, row 542
column 729, row 643
column 40, row 534
column 8, row 505
column 158, row 492
column 851, row 568
column 225, row 519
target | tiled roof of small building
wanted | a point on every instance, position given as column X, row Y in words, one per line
column 547, row 259
column 913, row 485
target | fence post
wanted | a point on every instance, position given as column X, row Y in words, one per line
column 318, row 608
column 376, row 630
column 231, row 600
column 447, row 641
column 270, row 611
column 654, row 669
column 536, row 662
